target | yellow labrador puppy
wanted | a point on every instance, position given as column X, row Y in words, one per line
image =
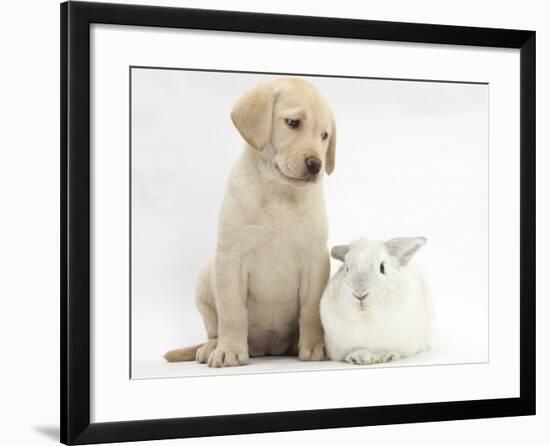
column 260, row 294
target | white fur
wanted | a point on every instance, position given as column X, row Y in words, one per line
column 393, row 321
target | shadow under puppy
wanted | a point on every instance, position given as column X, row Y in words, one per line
column 260, row 294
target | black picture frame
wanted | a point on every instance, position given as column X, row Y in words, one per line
column 76, row 18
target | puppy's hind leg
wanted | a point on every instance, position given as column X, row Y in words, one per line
column 206, row 305
column 207, row 308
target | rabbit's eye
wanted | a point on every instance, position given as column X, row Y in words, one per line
column 347, row 268
column 382, row 268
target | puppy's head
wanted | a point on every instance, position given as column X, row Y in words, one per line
column 292, row 127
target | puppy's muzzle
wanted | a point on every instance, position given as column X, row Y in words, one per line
column 313, row 165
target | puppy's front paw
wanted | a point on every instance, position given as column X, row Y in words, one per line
column 203, row 353
column 369, row 357
column 314, row 352
column 227, row 357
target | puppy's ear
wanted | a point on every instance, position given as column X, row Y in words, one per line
column 339, row 252
column 331, row 152
column 253, row 114
column 404, row 248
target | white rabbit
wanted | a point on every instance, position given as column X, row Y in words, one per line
column 376, row 307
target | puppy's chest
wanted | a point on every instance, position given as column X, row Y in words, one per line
column 283, row 225
column 282, row 239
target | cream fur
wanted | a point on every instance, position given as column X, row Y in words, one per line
column 260, row 294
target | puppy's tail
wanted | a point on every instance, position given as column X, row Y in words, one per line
column 182, row 354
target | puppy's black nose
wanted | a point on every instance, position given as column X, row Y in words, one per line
column 313, row 165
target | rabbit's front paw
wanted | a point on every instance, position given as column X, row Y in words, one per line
column 369, row 357
column 425, row 347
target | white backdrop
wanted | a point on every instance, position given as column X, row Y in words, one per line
column 411, row 160
column 38, row 423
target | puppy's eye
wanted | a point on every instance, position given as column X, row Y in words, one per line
column 346, row 268
column 293, row 123
column 382, row 268
column 324, row 135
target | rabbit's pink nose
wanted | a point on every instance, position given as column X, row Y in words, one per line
column 360, row 296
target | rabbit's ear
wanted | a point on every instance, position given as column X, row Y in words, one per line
column 339, row 252
column 404, row 248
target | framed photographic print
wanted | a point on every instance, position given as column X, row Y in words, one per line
column 275, row 223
